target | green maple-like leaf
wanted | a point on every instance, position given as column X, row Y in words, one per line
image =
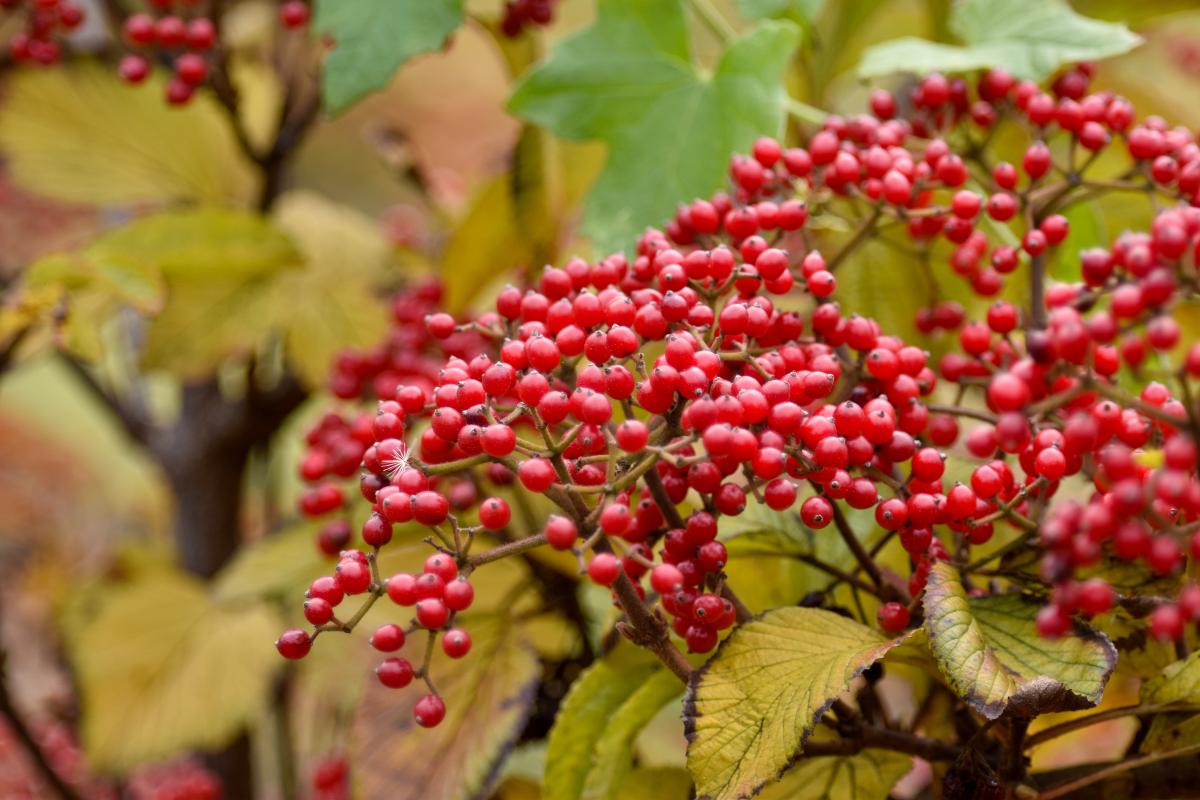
column 1029, row 38
column 629, row 81
column 373, row 38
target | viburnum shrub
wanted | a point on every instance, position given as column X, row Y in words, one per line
column 656, row 398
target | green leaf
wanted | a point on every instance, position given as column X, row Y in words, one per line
column 487, row 694
column 79, row 133
column 373, row 38
column 751, row 708
column 990, row 652
column 590, row 750
column 1087, row 229
column 1178, row 682
column 868, row 775
column 806, row 10
column 629, row 81
column 163, row 669
column 1029, row 38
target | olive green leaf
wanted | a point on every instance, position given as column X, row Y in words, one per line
column 751, row 708
column 1178, row 682
column 337, row 300
column 1029, row 38
column 163, row 669
column 590, row 751
column 487, row 694
column 629, row 81
column 373, row 38
column 868, row 775
column 990, row 652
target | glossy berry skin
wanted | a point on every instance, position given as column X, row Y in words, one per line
column 432, row 613
column 388, row 638
column 456, row 643
column 458, row 595
column 395, row 673
column 604, row 568
column 429, row 711
column 293, row 644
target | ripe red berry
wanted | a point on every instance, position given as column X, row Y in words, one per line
column 395, row 673
column 604, row 568
column 816, row 512
column 293, row 644
column 133, row 69
column 429, row 711
column 456, row 643
column 432, row 613
column 494, row 513
column 893, row 617
column 388, row 638
column 561, row 533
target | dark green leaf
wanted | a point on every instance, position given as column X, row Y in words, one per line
column 372, row 38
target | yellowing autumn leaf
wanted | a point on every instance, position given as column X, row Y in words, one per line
column 78, row 133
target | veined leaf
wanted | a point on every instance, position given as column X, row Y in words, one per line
column 372, row 38
column 1178, row 682
column 751, row 708
column 163, row 669
column 869, row 775
column 1029, row 38
column 591, row 745
column 990, row 652
column 79, row 133
column 487, row 695
column 629, row 81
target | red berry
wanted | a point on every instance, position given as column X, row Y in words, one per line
column 893, row 617
column 293, row 644
column 395, row 673
column 432, row 613
column 429, row 711
column 494, row 514
column 293, row 14
column 604, row 568
column 561, row 533
column 388, row 638
column 816, row 512
column 458, row 594
column 456, row 643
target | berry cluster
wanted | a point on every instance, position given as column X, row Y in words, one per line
column 521, row 13
column 650, row 397
column 45, row 22
column 184, row 36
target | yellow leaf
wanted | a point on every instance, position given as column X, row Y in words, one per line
column 163, row 669
column 79, row 133
column 751, row 708
column 989, row 651
column 336, row 300
column 487, row 696
column 869, row 775
column 485, row 245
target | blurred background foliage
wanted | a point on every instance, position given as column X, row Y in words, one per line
column 173, row 304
